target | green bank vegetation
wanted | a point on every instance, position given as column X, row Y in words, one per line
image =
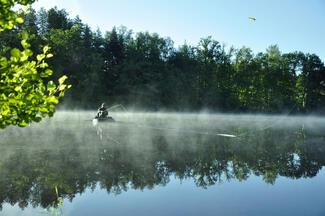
column 26, row 92
column 145, row 70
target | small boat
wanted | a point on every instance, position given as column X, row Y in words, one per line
column 96, row 120
column 104, row 119
column 102, row 115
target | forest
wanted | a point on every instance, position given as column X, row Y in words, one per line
column 147, row 72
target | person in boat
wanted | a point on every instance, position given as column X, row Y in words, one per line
column 102, row 111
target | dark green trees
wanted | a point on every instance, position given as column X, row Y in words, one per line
column 146, row 71
column 312, row 80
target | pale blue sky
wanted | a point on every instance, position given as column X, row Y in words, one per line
column 292, row 24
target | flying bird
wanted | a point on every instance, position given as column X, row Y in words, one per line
column 252, row 18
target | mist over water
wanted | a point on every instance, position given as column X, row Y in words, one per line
column 148, row 158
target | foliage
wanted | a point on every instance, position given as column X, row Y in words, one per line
column 144, row 70
column 25, row 97
column 26, row 93
column 8, row 17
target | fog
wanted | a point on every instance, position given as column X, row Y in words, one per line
column 142, row 134
column 145, row 150
column 132, row 126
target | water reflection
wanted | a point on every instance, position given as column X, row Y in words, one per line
column 74, row 156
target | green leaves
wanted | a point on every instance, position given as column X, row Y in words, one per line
column 18, row 89
column 47, row 73
column 40, row 57
column 19, row 20
column 51, row 86
column 15, row 53
column 8, row 17
column 22, row 124
column 45, row 49
column 52, row 100
column 25, row 96
column 62, row 79
column 25, row 44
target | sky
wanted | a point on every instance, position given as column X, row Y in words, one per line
column 294, row 25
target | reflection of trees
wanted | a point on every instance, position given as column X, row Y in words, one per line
column 143, row 159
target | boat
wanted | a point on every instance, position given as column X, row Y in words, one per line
column 102, row 115
column 104, row 119
column 97, row 120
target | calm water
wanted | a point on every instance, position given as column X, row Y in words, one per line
column 164, row 164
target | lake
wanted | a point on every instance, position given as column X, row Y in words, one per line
column 164, row 164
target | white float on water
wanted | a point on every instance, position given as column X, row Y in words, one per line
column 226, row 135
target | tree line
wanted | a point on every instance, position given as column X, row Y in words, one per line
column 146, row 71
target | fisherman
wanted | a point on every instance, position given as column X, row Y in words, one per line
column 102, row 111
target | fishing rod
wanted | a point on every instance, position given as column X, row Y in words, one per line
column 270, row 125
column 116, row 106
